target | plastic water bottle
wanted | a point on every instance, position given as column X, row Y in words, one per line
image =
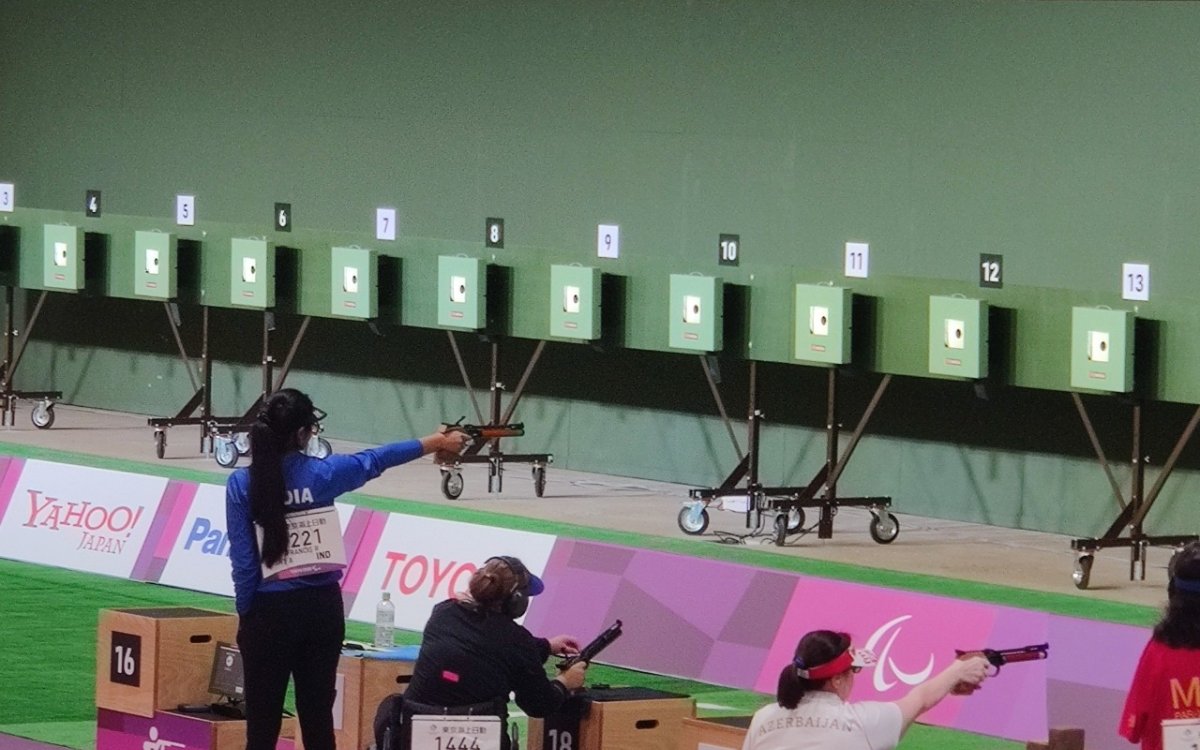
column 385, row 622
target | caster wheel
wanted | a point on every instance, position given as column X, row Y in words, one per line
column 242, row 442
column 42, row 415
column 1083, row 571
column 795, row 519
column 781, row 529
column 539, row 480
column 693, row 519
column 225, row 453
column 319, row 447
column 160, row 443
column 452, row 484
column 884, row 528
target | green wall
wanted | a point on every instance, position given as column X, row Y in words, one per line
column 1060, row 135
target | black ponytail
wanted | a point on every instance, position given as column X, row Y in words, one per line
column 272, row 435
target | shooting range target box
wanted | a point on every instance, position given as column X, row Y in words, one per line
column 62, row 257
column 714, row 733
column 625, row 718
column 462, row 292
column 822, row 324
column 252, row 273
column 696, row 312
column 151, row 660
column 355, row 283
column 958, row 337
column 1102, row 349
column 575, row 302
column 155, row 265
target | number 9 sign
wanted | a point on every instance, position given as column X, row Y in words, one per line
column 608, row 241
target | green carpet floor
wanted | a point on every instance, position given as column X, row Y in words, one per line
column 50, row 618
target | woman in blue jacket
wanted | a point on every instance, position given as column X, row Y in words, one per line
column 285, row 545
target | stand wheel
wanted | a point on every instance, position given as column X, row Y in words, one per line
column 225, row 452
column 539, row 480
column 884, row 528
column 242, row 442
column 692, row 522
column 781, row 529
column 795, row 519
column 319, row 447
column 452, row 484
column 1083, row 570
column 160, row 443
column 42, row 415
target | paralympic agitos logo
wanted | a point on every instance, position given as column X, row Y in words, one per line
column 886, row 666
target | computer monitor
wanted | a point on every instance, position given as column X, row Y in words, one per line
column 227, row 679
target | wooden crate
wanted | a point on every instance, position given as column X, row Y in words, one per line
column 626, row 719
column 365, row 682
column 724, row 733
column 151, row 660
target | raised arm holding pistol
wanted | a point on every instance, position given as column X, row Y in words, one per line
column 998, row 657
column 477, row 435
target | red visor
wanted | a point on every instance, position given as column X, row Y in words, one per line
column 851, row 657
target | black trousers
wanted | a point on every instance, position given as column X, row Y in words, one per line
column 295, row 634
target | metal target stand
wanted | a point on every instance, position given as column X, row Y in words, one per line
column 495, row 458
column 787, row 504
column 1134, row 509
column 42, row 414
column 224, row 437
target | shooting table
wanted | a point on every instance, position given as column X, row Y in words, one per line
column 617, row 719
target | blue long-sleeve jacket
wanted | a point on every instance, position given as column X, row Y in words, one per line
column 323, row 480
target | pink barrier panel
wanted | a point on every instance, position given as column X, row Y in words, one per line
column 737, row 625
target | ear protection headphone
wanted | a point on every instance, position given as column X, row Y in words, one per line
column 517, row 600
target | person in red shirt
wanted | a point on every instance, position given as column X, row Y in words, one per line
column 1166, row 684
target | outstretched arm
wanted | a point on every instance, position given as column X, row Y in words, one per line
column 931, row 692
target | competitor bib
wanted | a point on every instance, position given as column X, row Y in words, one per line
column 1181, row 734
column 456, row 732
column 314, row 545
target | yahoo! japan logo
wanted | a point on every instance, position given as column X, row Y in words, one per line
column 886, row 667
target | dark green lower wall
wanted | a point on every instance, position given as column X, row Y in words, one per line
column 1009, row 457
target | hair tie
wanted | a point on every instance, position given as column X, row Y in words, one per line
column 264, row 418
